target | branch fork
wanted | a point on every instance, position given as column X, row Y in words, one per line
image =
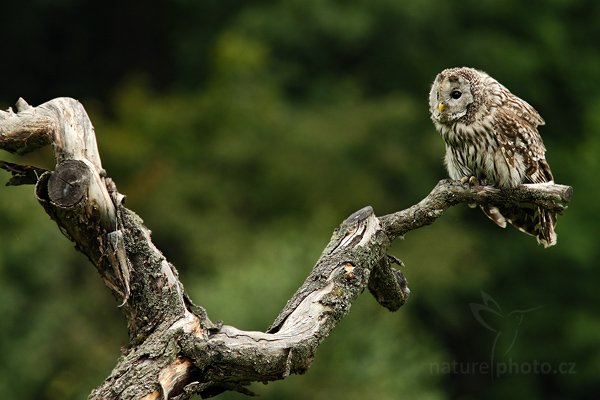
column 175, row 350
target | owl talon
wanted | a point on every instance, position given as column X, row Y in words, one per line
column 470, row 180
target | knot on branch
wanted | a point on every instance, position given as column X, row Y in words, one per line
column 388, row 285
column 68, row 183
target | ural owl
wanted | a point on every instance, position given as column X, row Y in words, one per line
column 491, row 137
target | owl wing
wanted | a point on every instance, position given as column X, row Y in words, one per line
column 517, row 134
column 516, row 131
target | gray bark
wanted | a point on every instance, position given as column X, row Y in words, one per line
column 175, row 351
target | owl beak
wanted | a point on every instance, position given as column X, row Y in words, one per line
column 441, row 106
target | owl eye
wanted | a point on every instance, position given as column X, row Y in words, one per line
column 455, row 94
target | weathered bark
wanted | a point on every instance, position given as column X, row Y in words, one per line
column 175, row 350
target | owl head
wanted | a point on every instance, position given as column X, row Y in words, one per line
column 453, row 94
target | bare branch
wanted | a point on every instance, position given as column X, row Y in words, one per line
column 175, row 350
column 448, row 193
column 88, row 209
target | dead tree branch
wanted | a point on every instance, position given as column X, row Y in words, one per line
column 175, row 350
column 448, row 193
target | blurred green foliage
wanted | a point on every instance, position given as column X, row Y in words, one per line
column 244, row 132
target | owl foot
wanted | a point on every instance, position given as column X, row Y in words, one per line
column 471, row 180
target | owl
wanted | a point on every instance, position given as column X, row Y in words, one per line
column 491, row 137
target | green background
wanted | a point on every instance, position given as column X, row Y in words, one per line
column 244, row 132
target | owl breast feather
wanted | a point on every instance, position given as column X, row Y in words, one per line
column 473, row 150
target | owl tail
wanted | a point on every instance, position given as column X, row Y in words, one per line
column 530, row 219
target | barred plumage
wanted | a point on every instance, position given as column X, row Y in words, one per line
column 492, row 135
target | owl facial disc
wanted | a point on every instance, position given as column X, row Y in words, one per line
column 450, row 97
